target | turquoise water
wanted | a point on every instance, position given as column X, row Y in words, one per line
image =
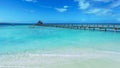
column 47, row 40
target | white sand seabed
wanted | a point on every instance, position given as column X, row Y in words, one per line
column 60, row 60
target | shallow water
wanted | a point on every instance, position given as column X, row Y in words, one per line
column 47, row 47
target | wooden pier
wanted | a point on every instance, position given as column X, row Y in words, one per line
column 102, row 27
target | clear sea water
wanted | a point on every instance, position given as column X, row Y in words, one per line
column 64, row 48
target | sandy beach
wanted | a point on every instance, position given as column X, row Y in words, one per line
column 61, row 59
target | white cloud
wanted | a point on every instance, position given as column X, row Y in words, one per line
column 89, row 7
column 103, row 0
column 99, row 11
column 83, row 4
column 65, row 8
column 115, row 4
column 31, row 0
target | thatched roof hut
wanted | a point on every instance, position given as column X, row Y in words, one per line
column 39, row 22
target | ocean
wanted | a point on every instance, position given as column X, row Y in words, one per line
column 49, row 47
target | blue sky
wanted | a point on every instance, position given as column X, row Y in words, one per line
column 60, row 11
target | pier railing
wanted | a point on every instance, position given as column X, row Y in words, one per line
column 104, row 27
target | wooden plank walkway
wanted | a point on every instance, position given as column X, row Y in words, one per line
column 103, row 27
